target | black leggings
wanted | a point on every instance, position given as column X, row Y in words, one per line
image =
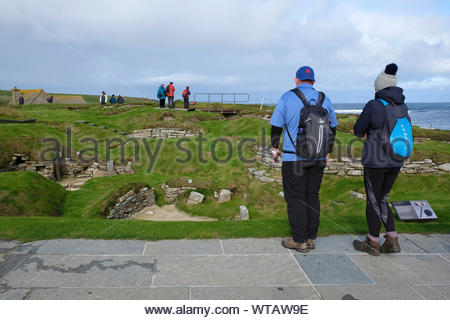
column 162, row 103
column 378, row 183
column 301, row 184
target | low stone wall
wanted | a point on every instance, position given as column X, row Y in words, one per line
column 349, row 167
column 132, row 202
column 21, row 162
column 264, row 176
column 346, row 167
column 172, row 194
column 108, row 169
column 69, row 167
column 46, row 169
column 165, row 133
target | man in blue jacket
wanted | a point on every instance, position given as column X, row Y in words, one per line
column 161, row 96
column 381, row 168
column 301, row 177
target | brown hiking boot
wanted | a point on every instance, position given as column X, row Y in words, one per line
column 311, row 243
column 369, row 246
column 291, row 244
column 390, row 245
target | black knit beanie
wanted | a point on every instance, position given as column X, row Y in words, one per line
column 391, row 69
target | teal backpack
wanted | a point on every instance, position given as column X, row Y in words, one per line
column 397, row 130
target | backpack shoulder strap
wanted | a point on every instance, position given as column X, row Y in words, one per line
column 290, row 138
column 321, row 99
column 301, row 96
column 386, row 115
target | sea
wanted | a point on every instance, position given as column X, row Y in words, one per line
column 425, row 115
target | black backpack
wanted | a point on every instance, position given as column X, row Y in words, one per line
column 314, row 136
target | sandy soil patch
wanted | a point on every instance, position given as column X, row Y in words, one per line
column 167, row 213
column 72, row 183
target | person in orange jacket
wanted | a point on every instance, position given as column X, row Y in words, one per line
column 186, row 94
column 170, row 94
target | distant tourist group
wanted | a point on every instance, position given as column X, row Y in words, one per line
column 112, row 100
column 169, row 92
column 309, row 120
column 163, row 93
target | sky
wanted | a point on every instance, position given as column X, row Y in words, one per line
column 243, row 46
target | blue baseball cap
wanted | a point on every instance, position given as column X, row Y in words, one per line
column 305, row 73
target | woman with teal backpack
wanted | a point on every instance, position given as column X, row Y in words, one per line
column 387, row 127
column 161, row 96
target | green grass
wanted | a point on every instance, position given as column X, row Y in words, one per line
column 32, row 229
column 43, row 228
column 5, row 95
column 436, row 150
column 140, row 117
column 82, row 211
column 340, row 213
column 25, row 138
column 347, row 121
column 28, row 194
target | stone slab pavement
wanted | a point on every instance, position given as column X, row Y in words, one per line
column 223, row 269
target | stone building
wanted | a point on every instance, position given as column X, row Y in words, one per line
column 34, row 96
column 39, row 96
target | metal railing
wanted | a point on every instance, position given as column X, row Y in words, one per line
column 222, row 97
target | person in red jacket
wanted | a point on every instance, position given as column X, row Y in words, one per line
column 186, row 94
column 170, row 94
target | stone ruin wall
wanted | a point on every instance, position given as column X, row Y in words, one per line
column 349, row 167
column 69, row 167
column 164, row 133
column 131, row 203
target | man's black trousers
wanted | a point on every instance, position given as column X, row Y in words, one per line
column 301, row 184
column 378, row 183
column 186, row 103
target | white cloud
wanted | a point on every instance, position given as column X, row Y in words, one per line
column 440, row 65
column 188, row 78
column 428, row 83
column 180, row 77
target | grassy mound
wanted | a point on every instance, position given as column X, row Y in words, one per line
column 29, row 194
column 96, row 196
